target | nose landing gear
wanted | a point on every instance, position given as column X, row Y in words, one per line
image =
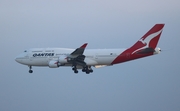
column 30, row 69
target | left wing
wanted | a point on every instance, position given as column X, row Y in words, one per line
column 79, row 51
column 77, row 57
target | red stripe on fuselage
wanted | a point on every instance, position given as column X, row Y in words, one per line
column 127, row 56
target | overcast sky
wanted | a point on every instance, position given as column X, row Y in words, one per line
column 148, row 84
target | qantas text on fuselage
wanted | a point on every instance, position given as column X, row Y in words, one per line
column 85, row 59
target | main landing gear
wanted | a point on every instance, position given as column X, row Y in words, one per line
column 86, row 69
column 30, row 69
column 75, row 69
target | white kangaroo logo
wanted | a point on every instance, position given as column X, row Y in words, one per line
column 147, row 40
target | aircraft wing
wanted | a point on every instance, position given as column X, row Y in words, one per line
column 77, row 56
column 79, row 51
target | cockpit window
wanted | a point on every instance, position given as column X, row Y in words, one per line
column 25, row 51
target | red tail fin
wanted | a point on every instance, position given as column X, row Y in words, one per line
column 150, row 39
column 143, row 47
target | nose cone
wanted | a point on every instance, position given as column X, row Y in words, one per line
column 18, row 59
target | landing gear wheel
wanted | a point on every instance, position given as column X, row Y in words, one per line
column 83, row 70
column 91, row 71
column 87, row 71
column 76, row 71
column 30, row 71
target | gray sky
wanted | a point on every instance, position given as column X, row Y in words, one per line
column 148, row 84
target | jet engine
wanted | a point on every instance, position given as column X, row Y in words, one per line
column 54, row 64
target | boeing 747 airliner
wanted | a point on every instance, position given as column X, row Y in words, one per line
column 84, row 59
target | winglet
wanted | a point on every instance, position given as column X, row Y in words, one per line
column 84, row 46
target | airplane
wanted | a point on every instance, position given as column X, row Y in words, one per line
column 80, row 58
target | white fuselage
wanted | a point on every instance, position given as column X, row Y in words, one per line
column 42, row 56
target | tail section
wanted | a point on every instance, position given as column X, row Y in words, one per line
column 145, row 46
column 149, row 40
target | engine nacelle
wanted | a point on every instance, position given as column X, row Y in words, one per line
column 54, row 64
column 157, row 50
column 63, row 59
